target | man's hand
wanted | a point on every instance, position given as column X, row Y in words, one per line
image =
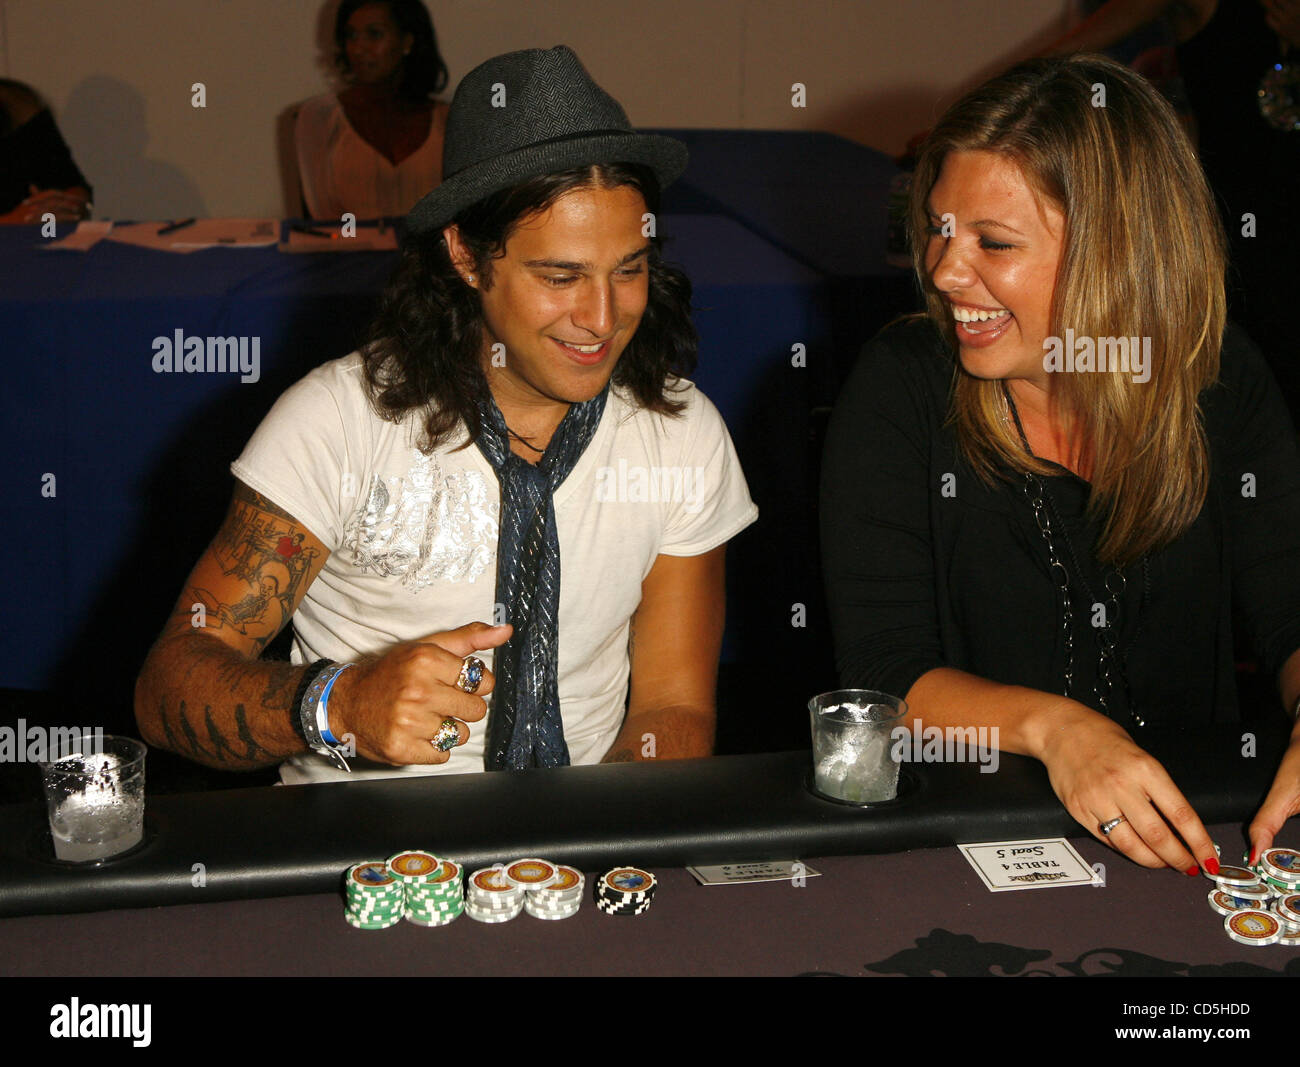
column 394, row 705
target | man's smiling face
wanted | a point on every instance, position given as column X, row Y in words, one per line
column 566, row 297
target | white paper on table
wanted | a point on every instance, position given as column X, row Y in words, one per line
column 737, row 873
column 83, row 238
column 367, row 239
column 1048, row 861
column 205, row 233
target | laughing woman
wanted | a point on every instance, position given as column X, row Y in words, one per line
column 1042, row 500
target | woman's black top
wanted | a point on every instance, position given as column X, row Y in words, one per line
column 35, row 154
column 927, row 566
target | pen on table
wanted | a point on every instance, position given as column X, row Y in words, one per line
column 311, row 231
column 175, row 226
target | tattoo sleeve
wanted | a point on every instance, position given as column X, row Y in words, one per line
column 203, row 693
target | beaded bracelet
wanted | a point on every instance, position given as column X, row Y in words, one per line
column 295, row 705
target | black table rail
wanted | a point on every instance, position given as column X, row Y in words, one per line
column 283, row 841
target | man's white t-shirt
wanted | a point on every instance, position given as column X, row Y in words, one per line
column 413, row 538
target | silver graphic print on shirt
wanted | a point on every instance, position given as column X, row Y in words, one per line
column 425, row 526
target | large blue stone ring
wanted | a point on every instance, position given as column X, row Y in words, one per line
column 471, row 675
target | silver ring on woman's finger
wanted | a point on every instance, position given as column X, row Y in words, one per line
column 1108, row 826
column 447, row 737
column 471, row 675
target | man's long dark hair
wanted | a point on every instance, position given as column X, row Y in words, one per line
column 424, row 349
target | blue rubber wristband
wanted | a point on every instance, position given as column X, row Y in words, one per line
column 323, row 706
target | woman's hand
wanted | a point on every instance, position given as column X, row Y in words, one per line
column 66, row 205
column 1100, row 774
column 1282, row 802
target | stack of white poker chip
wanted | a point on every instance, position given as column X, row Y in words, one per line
column 557, row 897
column 1280, row 868
column 1287, row 909
column 490, row 898
column 625, row 891
column 1248, row 900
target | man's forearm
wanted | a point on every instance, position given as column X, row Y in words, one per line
column 199, row 698
column 664, row 733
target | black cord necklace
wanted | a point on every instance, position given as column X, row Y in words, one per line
column 524, row 441
column 1110, row 658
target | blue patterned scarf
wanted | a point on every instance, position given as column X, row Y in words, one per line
column 524, row 728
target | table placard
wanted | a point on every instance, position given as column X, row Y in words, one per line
column 1035, row 864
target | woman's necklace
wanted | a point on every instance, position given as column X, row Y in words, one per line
column 1279, row 92
column 1110, row 660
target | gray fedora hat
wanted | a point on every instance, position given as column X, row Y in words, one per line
column 529, row 113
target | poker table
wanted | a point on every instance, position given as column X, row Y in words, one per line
column 891, row 895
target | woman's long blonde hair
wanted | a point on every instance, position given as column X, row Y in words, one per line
column 1143, row 256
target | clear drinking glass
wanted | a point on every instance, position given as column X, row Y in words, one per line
column 95, row 799
column 853, row 745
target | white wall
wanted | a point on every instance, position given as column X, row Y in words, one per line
column 118, row 73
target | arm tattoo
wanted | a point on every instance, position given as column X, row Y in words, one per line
column 261, row 546
column 222, row 751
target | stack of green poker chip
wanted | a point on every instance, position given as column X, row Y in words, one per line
column 438, row 900
column 375, row 898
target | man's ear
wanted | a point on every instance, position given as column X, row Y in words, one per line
column 461, row 258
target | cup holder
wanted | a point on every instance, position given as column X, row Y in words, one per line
column 40, row 847
column 909, row 785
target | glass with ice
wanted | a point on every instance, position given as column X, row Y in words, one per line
column 852, row 745
column 95, row 799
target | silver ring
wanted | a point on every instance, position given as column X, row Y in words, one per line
column 447, row 737
column 1107, row 827
column 471, row 674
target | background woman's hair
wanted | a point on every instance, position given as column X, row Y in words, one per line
column 423, row 71
column 425, row 348
column 1143, row 256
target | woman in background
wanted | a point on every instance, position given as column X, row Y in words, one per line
column 37, row 173
column 1017, row 537
column 375, row 148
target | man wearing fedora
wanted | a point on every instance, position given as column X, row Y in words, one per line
column 511, row 490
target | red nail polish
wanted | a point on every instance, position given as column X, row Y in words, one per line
column 1212, row 865
column 1192, row 872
